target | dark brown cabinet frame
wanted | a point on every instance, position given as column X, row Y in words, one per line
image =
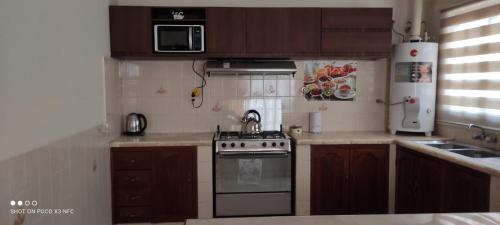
column 142, row 200
column 349, row 179
column 302, row 33
column 425, row 184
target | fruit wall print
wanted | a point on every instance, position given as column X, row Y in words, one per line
column 330, row 80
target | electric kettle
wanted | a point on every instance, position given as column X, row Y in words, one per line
column 135, row 124
column 251, row 125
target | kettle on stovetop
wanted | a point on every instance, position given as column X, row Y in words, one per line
column 251, row 124
column 135, row 124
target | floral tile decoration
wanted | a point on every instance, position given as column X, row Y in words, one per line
column 330, row 80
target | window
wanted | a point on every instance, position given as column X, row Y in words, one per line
column 469, row 81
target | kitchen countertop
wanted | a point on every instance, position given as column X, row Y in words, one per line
column 486, row 165
column 168, row 139
column 205, row 139
column 387, row 219
column 357, row 137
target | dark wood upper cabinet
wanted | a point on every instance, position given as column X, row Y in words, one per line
column 355, row 18
column 259, row 32
column 174, row 184
column 130, row 31
column 349, row 179
column 369, row 183
column 425, row 184
column 266, row 30
column 285, row 31
column 304, row 32
column 329, row 179
column 225, row 31
column 356, row 31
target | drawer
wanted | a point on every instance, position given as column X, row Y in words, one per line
column 133, row 197
column 132, row 160
column 132, row 214
column 132, row 180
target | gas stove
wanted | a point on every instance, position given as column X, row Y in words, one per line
column 265, row 142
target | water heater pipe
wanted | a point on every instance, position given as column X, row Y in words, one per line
column 417, row 18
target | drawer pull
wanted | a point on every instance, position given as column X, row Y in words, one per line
column 133, row 179
column 132, row 215
column 132, row 161
column 134, row 197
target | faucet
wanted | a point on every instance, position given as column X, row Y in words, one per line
column 483, row 136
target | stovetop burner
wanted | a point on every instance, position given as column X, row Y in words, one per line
column 233, row 135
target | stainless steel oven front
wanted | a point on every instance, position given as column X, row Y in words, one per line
column 253, row 183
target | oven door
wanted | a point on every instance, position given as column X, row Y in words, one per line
column 173, row 38
column 253, row 184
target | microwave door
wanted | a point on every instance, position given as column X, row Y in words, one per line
column 172, row 38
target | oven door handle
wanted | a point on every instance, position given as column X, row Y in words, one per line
column 253, row 153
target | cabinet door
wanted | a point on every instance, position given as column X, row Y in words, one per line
column 466, row 190
column 174, row 184
column 356, row 31
column 419, row 186
column 266, row 30
column 130, row 31
column 430, row 177
column 304, row 32
column 369, row 182
column 329, row 179
column 405, row 181
column 225, row 30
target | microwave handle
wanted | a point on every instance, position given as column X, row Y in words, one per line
column 190, row 38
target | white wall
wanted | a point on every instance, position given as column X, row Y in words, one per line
column 51, row 72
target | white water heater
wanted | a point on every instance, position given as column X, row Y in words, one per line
column 413, row 87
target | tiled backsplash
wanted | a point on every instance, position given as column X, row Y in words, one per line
column 463, row 134
column 162, row 91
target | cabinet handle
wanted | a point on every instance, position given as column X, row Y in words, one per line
column 134, row 197
column 132, row 215
column 132, row 161
column 133, row 179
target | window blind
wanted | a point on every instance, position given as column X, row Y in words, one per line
column 469, row 65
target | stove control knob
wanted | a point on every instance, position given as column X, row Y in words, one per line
column 282, row 144
column 223, row 145
column 274, row 144
column 264, row 144
column 233, row 144
column 242, row 145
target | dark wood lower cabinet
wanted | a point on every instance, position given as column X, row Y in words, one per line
column 466, row 190
column 174, row 184
column 419, row 183
column 369, row 180
column 329, row 179
column 154, row 184
column 349, row 179
column 425, row 184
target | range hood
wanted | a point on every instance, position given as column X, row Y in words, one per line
column 251, row 67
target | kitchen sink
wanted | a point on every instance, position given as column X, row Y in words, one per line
column 449, row 146
column 461, row 149
column 476, row 153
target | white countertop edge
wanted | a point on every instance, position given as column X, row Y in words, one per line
column 379, row 219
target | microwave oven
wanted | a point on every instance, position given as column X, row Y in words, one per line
column 179, row 38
